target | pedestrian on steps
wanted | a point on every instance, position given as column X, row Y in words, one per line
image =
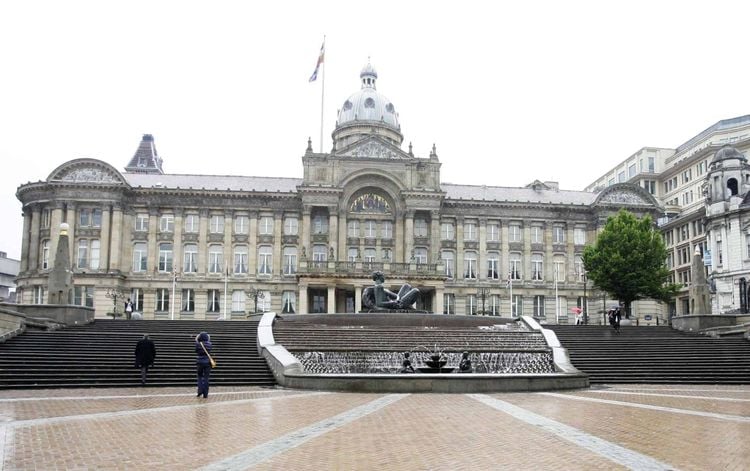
column 203, row 362
column 145, row 354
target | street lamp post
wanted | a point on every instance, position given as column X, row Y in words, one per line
column 114, row 293
column 585, row 301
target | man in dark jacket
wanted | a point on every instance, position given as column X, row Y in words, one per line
column 145, row 353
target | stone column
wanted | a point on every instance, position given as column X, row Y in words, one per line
column 549, row 257
column 434, row 237
column 504, row 253
column 439, row 306
column 25, row 242
column 357, row 298
column 302, row 300
column 227, row 262
column 408, row 235
column 104, row 238
column 333, row 227
column 252, row 239
column 202, row 244
column 70, row 218
column 460, row 273
column 153, row 222
column 570, row 253
column 177, row 245
column 35, row 247
column 118, row 228
column 331, row 298
column 398, row 236
column 341, row 251
column 278, row 223
column 482, row 250
column 306, row 230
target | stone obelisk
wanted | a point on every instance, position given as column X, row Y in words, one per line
column 60, row 284
column 699, row 294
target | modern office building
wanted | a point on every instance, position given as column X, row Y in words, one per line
column 203, row 246
column 704, row 187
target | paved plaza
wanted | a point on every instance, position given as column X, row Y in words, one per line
column 618, row 427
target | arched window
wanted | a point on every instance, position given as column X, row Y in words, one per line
column 370, row 203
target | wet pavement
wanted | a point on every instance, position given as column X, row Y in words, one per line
column 620, row 427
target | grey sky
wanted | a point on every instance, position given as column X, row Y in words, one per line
column 508, row 91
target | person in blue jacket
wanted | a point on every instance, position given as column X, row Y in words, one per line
column 202, row 349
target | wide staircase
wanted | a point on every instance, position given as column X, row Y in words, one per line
column 654, row 355
column 101, row 354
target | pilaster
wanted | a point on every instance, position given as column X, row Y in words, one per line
column 104, row 239
column 25, row 241
column 35, row 247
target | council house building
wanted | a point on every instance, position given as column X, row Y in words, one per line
column 210, row 247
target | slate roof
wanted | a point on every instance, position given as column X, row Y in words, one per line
column 211, row 182
column 524, row 195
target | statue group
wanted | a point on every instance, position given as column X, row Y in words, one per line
column 380, row 298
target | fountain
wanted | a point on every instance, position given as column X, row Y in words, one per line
column 436, row 363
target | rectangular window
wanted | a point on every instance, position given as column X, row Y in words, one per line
column 537, row 267
column 493, row 233
column 96, row 217
column 517, row 306
column 238, row 301
column 192, row 222
column 631, row 170
column 560, row 270
column 470, row 265
column 537, row 234
column 320, row 253
column 320, row 224
column 217, row 224
column 141, row 222
column 265, row 260
column 493, row 266
column 558, row 234
column 291, row 226
column 514, row 233
column 471, row 305
column 190, row 259
column 213, row 301
column 162, row 299
column 447, row 231
column 241, row 225
column 84, row 217
column 240, row 259
column 46, row 214
column 166, row 223
column 538, row 307
column 353, row 229
column 386, row 229
column 621, row 177
column 290, row 260
column 747, row 245
column 83, row 296
column 288, row 302
column 83, row 254
column 38, row 295
column 45, row 255
column 420, row 228
column 651, row 164
column 515, row 266
column 95, row 254
column 215, row 253
column 136, row 297
column 165, row 258
column 579, row 236
column 449, row 262
column 449, row 303
column 493, row 306
column 265, row 225
column 188, row 300
column 470, row 231
column 371, row 229
column 420, row 255
column 386, row 254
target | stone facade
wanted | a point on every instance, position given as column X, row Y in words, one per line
column 195, row 247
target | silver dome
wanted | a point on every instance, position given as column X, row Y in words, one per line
column 367, row 104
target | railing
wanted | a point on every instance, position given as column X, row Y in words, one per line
column 366, row 268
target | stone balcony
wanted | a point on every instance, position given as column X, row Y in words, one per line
column 365, row 269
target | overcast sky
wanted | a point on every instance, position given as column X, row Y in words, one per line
column 508, row 91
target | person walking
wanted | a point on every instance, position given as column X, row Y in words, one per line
column 128, row 309
column 145, row 354
column 203, row 362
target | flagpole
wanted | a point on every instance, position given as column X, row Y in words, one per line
column 174, row 285
column 322, row 95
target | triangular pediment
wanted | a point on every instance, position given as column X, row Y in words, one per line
column 86, row 171
column 625, row 194
column 373, row 148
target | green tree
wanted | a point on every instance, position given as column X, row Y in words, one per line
column 628, row 260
